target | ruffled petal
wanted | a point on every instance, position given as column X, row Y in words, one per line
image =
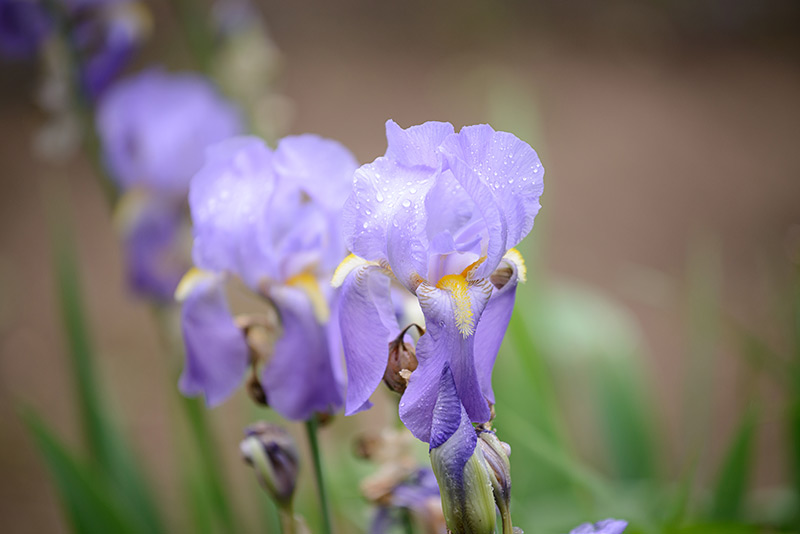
column 323, row 168
column 384, row 214
column 504, row 177
column 229, row 197
column 217, row 355
column 299, row 380
column 368, row 324
column 494, row 322
column 444, row 343
column 417, row 145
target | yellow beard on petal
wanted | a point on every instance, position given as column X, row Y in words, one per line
column 458, row 286
column 308, row 283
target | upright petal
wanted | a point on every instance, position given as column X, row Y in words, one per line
column 445, row 342
column 368, row 323
column 299, row 379
column 216, row 350
column 494, row 321
column 388, row 197
column 417, row 145
column 229, row 197
column 323, row 168
column 503, row 175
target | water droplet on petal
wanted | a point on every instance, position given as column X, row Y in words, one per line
column 406, row 203
column 379, row 197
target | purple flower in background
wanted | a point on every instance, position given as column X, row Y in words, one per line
column 154, row 129
column 607, row 526
column 23, row 26
column 440, row 213
column 270, row 219
column 107, row 34
column 104, row 33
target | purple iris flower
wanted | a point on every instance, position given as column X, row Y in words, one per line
column 607, row 526
column 272, row 220
column 23, row 26
column 439, row 213
column 154, row 129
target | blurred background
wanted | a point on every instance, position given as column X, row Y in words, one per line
column 654, row 339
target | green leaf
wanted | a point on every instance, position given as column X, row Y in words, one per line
column 108, row 450
column 84, row 492
column 734, row 475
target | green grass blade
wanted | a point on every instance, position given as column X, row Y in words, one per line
column 733, row 478
column 86, row 498
column 107, row 449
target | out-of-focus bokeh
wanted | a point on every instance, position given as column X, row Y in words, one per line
column 669, row 228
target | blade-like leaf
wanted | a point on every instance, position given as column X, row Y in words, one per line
column 734, row 475
column 108, row 451
column 84, row 493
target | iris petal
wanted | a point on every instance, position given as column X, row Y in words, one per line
column 443, row 343
column 417, row 145
column 323, row 168
column 216, row 352
column 299, row 379
column 493, row 324
column 504, row 177
column 368, row 324
column 229, row 197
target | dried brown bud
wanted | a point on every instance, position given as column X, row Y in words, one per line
column 256, row 390
column 402, row 361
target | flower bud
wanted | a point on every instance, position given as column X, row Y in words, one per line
column 459, row 465
column 467, row 500
column 273, row 454
column 496, row 454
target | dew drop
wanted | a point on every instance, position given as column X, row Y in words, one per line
column 406, row 203
column 365, row 225
column 379, row 197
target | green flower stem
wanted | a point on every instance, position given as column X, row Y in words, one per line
column 287, row 520
column 311, row 430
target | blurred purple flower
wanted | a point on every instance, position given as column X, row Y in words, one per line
column 440, row 213
column 107, row 34
column 272, row 220
column 154, row 129
column 104, row 33
column 607, row 526
column 153, row 230
column 23, row 26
